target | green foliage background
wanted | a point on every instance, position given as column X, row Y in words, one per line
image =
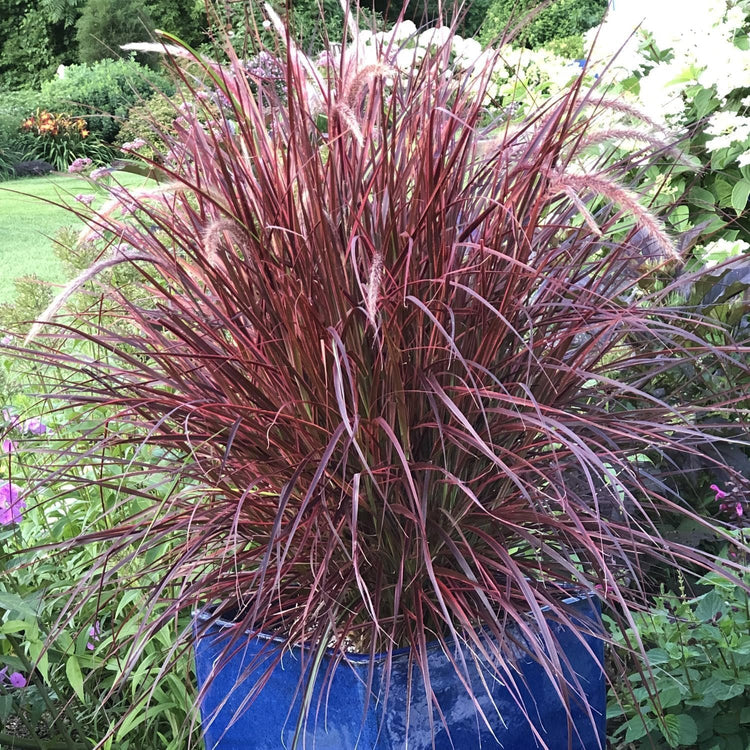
column 561, row 20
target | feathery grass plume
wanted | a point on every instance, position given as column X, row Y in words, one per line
column 563, row 182
column 373, row 289
column 613, row 135
column 447, row 480
column 160, row 47
column 353, row 91
column 624, row 107
column 216, row 235
column 122, row 201
column 120, row 255
column 349, row 119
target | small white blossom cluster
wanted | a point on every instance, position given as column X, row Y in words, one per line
column 720, row 251
column 703, row 41
column 513, row 74
column 727, row 128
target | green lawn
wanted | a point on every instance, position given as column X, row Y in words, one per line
column 30, row 215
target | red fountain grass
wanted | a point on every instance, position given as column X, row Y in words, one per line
column 397, row 358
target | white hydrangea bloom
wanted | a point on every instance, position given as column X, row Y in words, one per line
column 466, row 51
column 744, row 159
column 721, row 250
column 660, row 95
column 401, row 32
column 434, row 37
column 726, row 66
column 726, row 128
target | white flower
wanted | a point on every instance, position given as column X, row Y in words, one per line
column 659, row 94
column 735, row 18
column 726, row 128
column 467, row 52
column 722, row 250
column 434, row 37
column 400, row 32
column 744, row 159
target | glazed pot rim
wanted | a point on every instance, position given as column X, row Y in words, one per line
column 356, row 657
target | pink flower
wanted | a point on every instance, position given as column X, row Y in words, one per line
column 95, row 633
column 101, row 172
column 8, row 446
column 133, row 145
column 720, row 494
column 6, row 340
column 86, row 199
column 79, row 165
column 35, row 426
column 17, row 680
column 738, row 509
column 11, row 504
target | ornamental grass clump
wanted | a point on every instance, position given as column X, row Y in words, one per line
column 397, row 362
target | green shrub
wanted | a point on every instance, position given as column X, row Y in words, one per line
column 568, row 47
column 104, row 92
column 699, row 655
column 29, row 54
column 562, row 19
column 151, row 121
column 106, row 24
column 32, row 297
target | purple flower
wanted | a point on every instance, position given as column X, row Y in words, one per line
column 17, row 680
column 86, row 198
column 95, row 633
column 101, row 172
column 9, row 417
column 6, row 340
column 738, row 509
column 79, row 165
column 133, row 145
column 11, row 504
column 720, row 494
column 8, row 446
column 35, row 426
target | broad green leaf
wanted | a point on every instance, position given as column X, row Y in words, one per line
column 670, row 728
column 740, row 194
column 657, row 656
column 723, row 191
column 39, row 658
column 14, row 603
column 75, row 677
column 687, row 732
column 745, row 715
column 6, row 707
column 670, row 696
column 637, row 728
column 710, row 605
column 727, row 722
column 702, row 196
column 680, row 217
column 13, row 626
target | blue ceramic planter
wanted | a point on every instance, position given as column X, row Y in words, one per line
column 268, row 724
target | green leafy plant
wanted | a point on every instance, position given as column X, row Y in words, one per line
column 106, row 24
column 64, row 689
column 698, row 652
column 104, row 92
column 384, row 353
column 60, row 139
column 540, row 23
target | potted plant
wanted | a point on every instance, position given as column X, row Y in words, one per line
column 394, row 351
